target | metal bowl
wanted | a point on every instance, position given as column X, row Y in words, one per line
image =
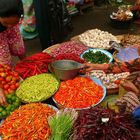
column 120, row 24
column 65, row 69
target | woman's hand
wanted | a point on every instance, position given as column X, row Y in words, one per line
column 129, row 86
column 2, row 98
column 89, row 67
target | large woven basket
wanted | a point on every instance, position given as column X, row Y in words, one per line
column 51, row 48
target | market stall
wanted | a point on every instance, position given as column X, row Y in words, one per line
column 82, row 106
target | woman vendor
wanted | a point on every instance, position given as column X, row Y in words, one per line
column 11, row 42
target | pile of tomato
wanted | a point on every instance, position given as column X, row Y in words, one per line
column 9, row 79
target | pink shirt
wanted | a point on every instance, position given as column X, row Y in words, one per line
column 11, row 43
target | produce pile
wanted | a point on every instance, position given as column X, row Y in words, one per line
column 96, row 38
column 130, row 40
column 109, row 80
column 80, row 92
column 96, row 57
column 122, row 15
column 35, row 64
column 29, row 122
column 38, row 88
column 9, row 79
column 13, row 102
column 68, row 48
column 103, row 124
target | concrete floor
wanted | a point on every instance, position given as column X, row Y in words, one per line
column 96, row 17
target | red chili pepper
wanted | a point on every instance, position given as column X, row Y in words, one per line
column 35, row 64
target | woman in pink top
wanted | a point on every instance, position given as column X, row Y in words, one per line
column 11, row 42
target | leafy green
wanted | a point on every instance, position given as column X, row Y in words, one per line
column 61, row 124
column 96, row 57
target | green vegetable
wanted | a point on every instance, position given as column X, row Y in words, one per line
column 96, row 57
column 13, row 103
column 37, row 88
column 61, row 124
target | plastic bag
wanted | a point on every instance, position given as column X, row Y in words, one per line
column 128, row 54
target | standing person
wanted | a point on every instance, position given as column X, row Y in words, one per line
column 11, row 42
column 28, row 24
column 53, row 21
column 42, row 22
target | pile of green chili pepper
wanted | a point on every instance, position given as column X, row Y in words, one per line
column 96, row 57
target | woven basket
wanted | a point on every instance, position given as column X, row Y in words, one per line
column 51, row 48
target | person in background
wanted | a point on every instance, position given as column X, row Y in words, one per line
column 11, row 42
column 28, row 24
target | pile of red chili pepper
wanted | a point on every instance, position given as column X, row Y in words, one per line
column 35, row 64
column 80, row 92
column 103, row 124
column 70, row 56
column 29, row 122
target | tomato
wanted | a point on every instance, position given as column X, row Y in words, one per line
column 1, row 69
column 8, row 78
column 10, row 90
column 17, row 85
column 15, row 74
column 3, row 74
column 6, row 86
column 12, row 82
column 1, row 79
column 3, row 82
column 6, row 92
column 14, row 79
column 13, row 87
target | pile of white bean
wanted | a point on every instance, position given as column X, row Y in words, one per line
column 109, row 79
column 96, row 38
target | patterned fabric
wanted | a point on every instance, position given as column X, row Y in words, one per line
column 128, row 102
column 11, row 43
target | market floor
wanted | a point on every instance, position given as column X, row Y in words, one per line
column 96, row 17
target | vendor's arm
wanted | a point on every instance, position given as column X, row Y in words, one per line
column 116, row 67
column 2, row 98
